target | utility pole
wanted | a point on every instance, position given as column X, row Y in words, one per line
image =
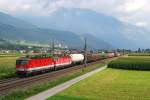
column 53, row 46
column 85, row 54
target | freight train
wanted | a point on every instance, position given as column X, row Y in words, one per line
column 31, row 65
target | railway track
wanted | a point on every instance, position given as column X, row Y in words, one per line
column 8, row 80
column 6, row 86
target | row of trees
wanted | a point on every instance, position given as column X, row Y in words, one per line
column 143, row 50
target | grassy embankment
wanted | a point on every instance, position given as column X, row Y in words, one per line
column 113, row 84
column 21, row 94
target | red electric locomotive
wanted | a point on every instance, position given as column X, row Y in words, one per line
column 63, row 61
column 34, row 65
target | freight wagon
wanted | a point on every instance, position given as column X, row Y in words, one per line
column 110, row 55
column 77, row 58
column 93, row 57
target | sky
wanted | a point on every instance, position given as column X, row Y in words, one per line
column 132, row 11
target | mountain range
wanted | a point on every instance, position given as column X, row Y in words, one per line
column 72, row 26
column 16, row 29
column 107, row 28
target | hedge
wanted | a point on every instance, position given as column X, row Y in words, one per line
column 131, row 63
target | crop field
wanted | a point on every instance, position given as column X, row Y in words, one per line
column 7, row 65
column 131, row 62
column 111, row 84
column 139, row 54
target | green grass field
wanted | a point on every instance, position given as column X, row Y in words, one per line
column 111, row 84
column 7, row 65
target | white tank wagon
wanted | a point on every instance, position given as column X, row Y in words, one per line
column 77, row 58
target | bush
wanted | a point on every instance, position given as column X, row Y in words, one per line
column 139, row 54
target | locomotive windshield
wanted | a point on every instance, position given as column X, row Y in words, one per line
column 21, row 62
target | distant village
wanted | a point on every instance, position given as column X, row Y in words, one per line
column 23, row 46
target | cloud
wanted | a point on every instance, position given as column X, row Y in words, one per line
column 96, row 5
column 130, row 6
column 22, row 7
column 109, row 7
column 141, row 24
column 125, row 10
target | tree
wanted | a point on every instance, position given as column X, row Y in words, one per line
column 139, row 50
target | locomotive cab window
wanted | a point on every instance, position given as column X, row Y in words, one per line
column 21, row 62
